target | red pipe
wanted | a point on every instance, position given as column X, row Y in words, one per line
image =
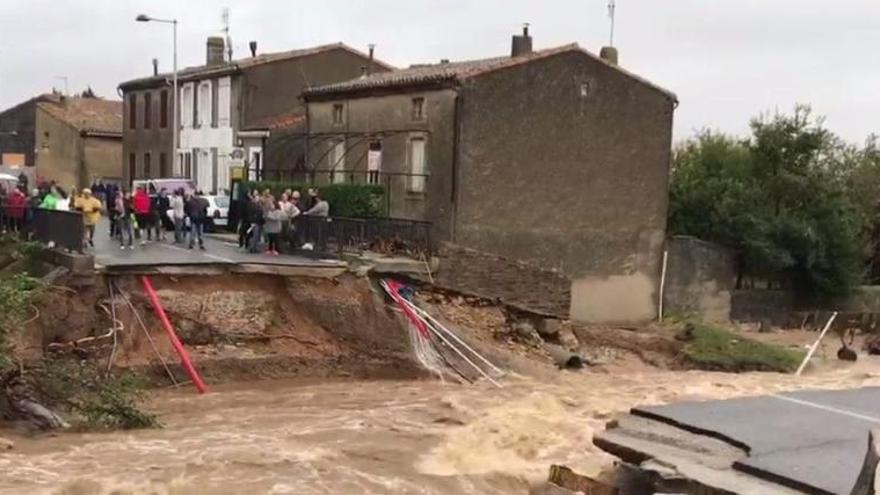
column 172, row 336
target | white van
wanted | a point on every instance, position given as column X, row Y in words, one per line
column 153, row 186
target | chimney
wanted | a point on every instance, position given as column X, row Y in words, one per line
column 215, row 48
column 522, row 43
column 372, row 48
column 155, row 66
column 253, row 47
column 608, row 54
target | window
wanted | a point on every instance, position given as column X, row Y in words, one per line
column 132, row 167
column 185, row 158
column 163, row 109
column 163, row 166
column 224, row 103
column 374, row 162
column 132, row 111
column 338, row 116
column 203, row 107
column 418, row 109
column 147, row 166
column 186, row 104
column 337, row 162
column 417, row 165
column 148, row 110
column 215, row 111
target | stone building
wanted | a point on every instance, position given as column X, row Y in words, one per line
column 17, row 127
column 551, row 164
column 78, row 140
column 229, row 111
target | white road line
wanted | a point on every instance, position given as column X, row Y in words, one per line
column 207, row 255
column 823, row 407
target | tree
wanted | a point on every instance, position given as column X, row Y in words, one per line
column 779, row 197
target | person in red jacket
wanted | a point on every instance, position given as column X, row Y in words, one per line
column 141, row 205
column 15, row 206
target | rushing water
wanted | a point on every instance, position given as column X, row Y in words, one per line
column 372, row 437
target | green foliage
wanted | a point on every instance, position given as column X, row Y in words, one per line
column 346, row 200
column 716, row 349
column 780, row 198
column 16, row 293
column 100, row 400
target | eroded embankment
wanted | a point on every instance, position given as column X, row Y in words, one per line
column 235, row 326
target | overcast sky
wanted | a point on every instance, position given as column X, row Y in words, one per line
column 726, row 59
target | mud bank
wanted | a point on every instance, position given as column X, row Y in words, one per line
column 236, row 327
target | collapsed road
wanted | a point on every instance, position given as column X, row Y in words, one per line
column 799, row 442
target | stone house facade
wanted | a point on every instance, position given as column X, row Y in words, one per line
column 222, row 104
column 78, row 140
column 17, row 131
column 556, row 158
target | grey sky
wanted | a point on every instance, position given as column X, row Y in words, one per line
column 726, row 59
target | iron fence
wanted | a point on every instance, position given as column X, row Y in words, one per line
column 335, row 235
column 398, row 185
column 63, row 228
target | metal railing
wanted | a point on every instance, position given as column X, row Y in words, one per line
column 63, row 228
column 335, row 235
column 398, row 185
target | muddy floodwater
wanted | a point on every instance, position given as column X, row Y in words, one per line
column 373, row 437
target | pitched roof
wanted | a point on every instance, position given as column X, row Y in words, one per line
column 202, row 71
column 87, row 115
column 419, row 75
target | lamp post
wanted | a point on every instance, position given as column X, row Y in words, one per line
column 175, row 122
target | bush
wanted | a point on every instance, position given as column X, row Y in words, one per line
column 16, row 293
column 98, row 399
column 346, row 200
column 715, row 349
column 779, row 198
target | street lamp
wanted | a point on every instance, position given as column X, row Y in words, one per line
column 175, row 133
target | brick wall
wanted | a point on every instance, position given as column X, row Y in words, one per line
column 512, row 282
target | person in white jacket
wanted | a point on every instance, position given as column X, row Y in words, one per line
column 177, row 215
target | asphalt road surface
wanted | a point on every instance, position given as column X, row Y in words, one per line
column 813, row 441
column 107, row 252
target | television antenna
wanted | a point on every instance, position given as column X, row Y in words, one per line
column 611, row 8
column 226, row 33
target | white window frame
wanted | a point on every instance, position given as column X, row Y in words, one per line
column 182, row 157
column 224, row 101
column 417, row 183
column 205, row 110
column 186, row 105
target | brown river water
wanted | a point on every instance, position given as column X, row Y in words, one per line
column 377, row 437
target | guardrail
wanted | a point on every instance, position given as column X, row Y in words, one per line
column 63, row 228
column 383, row 235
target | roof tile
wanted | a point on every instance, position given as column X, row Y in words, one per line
column 87, row 114
column 455, row 71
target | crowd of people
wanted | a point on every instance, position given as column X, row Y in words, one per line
column 267, row 223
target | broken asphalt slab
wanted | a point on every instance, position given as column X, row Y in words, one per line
column 811, row 441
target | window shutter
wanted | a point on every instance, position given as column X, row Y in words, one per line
column 224, row 102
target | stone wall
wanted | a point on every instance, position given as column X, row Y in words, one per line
column 771, row 306
column 512, row 282
column 700, row 278
column 564, row 163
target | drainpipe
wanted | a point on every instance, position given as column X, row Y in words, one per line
column 456, row 147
